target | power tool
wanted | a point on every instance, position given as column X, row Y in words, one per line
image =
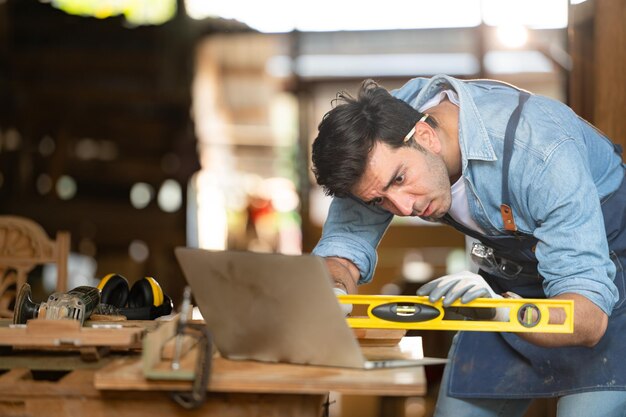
column 76, row 304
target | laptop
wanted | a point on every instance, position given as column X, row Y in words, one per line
column 278, row 308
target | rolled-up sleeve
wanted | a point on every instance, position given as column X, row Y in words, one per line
column 352, row 231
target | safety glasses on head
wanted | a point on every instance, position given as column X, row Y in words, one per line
column 412, row 131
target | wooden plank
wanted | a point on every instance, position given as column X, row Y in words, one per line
column 14, row 375
column 379, row 337
column 61, row 333
column 258, row 377
column 74, row 395
column 160, row 404
column 76, row 384
column 51, row 361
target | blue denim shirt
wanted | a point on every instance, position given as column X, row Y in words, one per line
column 561, row 169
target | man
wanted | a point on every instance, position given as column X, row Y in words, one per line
column 544, row 193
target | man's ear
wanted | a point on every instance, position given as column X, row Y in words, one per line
column 426, row 136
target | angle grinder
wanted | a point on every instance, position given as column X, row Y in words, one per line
column 76, row 304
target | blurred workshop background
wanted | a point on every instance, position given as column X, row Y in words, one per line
column 141, row 125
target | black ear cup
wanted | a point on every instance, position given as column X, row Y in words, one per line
column 149, row 312
column 114, row 290
column 144, row 293
column 144, row 301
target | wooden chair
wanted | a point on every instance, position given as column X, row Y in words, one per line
column 23, row 245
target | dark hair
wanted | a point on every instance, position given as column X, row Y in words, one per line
column 349, row 131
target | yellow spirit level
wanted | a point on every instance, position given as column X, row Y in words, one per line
column 418, row 313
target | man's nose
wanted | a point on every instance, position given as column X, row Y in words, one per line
column 402, row 205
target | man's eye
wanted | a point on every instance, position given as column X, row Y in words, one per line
column 399, row 179
column 376, row 201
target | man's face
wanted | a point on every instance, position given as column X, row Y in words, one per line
column 406, row 182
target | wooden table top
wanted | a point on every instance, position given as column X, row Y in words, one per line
column 258, row 377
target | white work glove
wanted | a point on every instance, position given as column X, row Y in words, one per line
column 345, row 308
column 467, row 287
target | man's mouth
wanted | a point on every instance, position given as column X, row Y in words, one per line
column 427, row 210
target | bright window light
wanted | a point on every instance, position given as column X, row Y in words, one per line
column 332, row 15
column 385, row 65
column 273, row 16
column 536, row 14
column 512, row 36
column 210, row 217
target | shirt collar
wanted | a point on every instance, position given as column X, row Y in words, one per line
column 473, row 137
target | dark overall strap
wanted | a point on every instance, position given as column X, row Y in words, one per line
column 509, row 138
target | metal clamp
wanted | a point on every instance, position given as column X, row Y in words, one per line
column 195, row 398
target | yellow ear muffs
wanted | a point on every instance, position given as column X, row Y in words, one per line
column 145, row 300
column 114, row 290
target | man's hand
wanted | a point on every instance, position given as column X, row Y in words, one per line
column 590, row 322
column 345, row 276
column 467, row 287
column 344, row 273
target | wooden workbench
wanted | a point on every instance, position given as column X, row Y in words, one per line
column 62, row 383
